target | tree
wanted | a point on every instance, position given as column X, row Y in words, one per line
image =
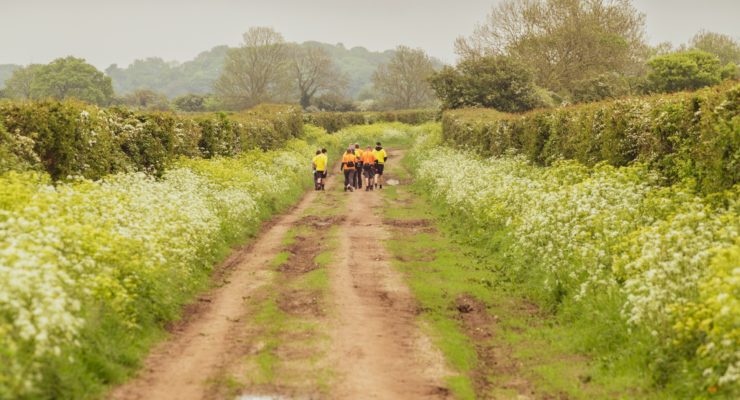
column 256, row 72
column 315, row 73
column 71, row 77
column 403, row 82
column 498, row 82
column 190, row 103
column 18, row 86
column 685, row 70
column 563, row 41
column 722, row 46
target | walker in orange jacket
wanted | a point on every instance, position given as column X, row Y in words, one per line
column 357, row 181
column 368, row 168
column 349, row 160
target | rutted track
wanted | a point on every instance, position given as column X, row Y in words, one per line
column 375, row 347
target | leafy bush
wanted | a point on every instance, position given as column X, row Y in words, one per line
column 683, row 136
column 335, row 121
column 92, row 269
column 685, row 70
column 498, row 82
column 601, row 87
column 190, row 103
column 74, row 139
column 607, row 244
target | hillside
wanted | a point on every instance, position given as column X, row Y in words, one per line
column 171, row 78
column 197, row 76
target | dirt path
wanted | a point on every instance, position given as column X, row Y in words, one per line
column 379, row 350
column 181, row 367
column 375, row 348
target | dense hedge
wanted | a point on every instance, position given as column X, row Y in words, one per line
column 692, row 135
column 71, row 138
column 336, row 121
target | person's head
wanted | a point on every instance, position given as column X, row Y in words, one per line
column 323, row 150
column 318, row 152
column 349, row 151
column 369, row 147
column 357, row 145
column 378, row 144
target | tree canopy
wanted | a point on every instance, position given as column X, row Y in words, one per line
column 562, row 41
column 256, row 72
column 403, row 83
column 63, row 78
column 315, row 73
column 724, row 47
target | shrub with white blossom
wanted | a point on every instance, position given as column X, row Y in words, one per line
column 123, row 252
column 670, row 254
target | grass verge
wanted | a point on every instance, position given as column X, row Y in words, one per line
column 499, row 344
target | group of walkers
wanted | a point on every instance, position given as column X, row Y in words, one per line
column 361, row 168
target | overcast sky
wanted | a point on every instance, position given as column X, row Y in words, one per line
column 119, row 31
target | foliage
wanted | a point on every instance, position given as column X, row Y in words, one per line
column 18, row 86
column 606, row 86
column 494, row 81
column 687, row 70
column 402, row 82
column 333, row 102
column 598, row 242
column 335, row 121
column 190, row 103
column 683, row 136
column 564, row 41
column 73, row 139
column 16, row 154
column 92, row 268
column 257, row 72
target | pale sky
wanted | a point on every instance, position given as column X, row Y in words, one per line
column 107, row 31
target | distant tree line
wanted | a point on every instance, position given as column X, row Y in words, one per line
column 526, row 54
column 267, row 69
column 263, row 69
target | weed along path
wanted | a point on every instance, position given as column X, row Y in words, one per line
column 312, row 309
